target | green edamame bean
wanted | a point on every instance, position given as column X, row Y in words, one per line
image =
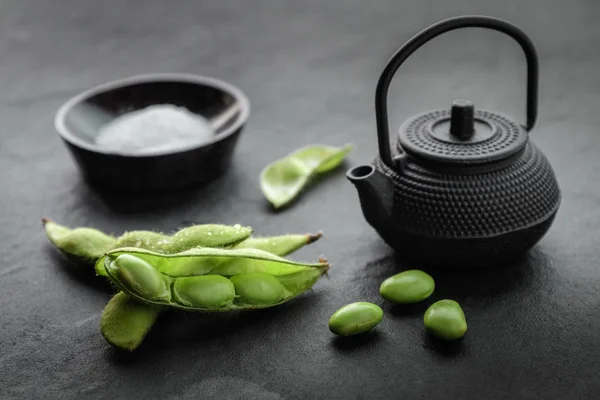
column 208, row 291
column 258, row 288
column 284, row 179
column 446, row 320
column 255, row 275
column 355, row 318
column 138, row 276
column 407, row 287
column 125, row 321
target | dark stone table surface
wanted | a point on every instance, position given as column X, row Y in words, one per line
column 309, row 69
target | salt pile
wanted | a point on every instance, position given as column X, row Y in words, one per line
column 155, row 128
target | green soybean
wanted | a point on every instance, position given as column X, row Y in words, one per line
column 283, row 180
column 258, row 288
column 252, row 272
column 139, row 277
column 210, row 291
column 446, row 320
column 355, row 318
column 125, row 321
column 407, row 287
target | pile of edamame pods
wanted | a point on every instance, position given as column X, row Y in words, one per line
column 222, row 268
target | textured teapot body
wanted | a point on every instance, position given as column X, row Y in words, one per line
column 471, row 217
column 466, row 187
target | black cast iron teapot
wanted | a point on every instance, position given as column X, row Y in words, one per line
column 465, row 187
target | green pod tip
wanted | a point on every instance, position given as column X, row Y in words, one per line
column 81, row 246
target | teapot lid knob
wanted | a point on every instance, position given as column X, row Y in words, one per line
column 462, row 122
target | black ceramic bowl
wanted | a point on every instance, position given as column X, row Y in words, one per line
column 79, row 120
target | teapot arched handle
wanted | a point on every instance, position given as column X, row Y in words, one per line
column 433, row 31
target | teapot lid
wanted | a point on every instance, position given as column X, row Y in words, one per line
column 462, row 135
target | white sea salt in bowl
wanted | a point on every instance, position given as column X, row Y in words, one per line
column 154, row 132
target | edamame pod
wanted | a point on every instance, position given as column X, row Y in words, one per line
column 283, row 180
column 207, row 235
column 255, row 274
column 125, row 321
column 81, row 246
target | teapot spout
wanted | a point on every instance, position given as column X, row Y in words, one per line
column 375, row 191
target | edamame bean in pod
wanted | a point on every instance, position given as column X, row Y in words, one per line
column 258, row 288
column 446, row 320
column 255, row 275
column 355, row 318
column 137, row 276
column 407, row 287
column 210, row 291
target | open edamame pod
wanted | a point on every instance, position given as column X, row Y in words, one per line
column 191, row 280
column 126, row 321
column 283, row 180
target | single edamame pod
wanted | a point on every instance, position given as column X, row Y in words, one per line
column 81, row 246
column 355, row 318
column 283, row 180
column 248, row 269
column 125, row 321
column 407, row 287
column 206, row 235
column 446, row 320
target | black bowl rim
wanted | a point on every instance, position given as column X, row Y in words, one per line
column 65, row 133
